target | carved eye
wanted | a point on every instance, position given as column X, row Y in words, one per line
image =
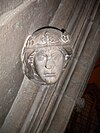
column 55, row 57
column 40, row 57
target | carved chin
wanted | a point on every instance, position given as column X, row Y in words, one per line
column 50, row 80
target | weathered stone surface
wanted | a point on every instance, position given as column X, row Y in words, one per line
column 51, row 109
column 87, row 59
column 79, row 78
column 20, row 107
column 6, row 5
column 64, row 112
column 65, row 10
column 74, row 82
column 15, row 25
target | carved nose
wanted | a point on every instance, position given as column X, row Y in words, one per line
column 49, row 63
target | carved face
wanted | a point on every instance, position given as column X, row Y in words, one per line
column 45, row 54
column 49, row 63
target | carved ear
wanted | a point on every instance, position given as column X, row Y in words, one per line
column 68, row 56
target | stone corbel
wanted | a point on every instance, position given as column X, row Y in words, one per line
column 45, row 55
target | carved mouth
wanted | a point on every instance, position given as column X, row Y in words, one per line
column 50, row 74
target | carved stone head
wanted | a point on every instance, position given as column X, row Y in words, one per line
column 45, row 54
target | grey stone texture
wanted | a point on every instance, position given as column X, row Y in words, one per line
column 84, row 59
column 18, row 20
column 20, row 107
column 36, row 108
column 7, row 5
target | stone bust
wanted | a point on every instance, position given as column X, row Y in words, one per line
column 45, row 54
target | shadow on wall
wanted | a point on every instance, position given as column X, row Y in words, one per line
column 88, row 119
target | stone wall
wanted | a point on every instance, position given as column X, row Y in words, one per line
column 7, row 5
column 18, row 18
